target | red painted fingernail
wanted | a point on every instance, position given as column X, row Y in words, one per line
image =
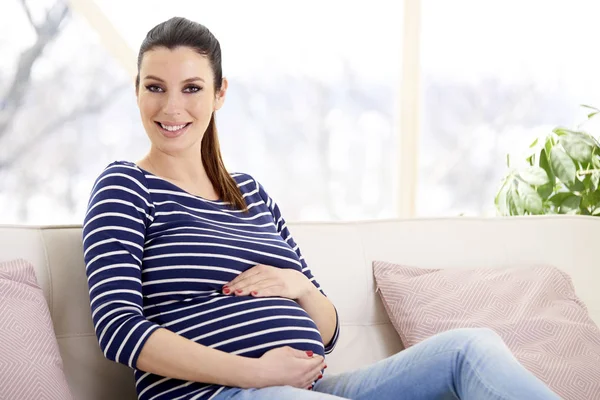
column 239, row 291
column 310, row 387
column 254, row 293
column 320, row 376
column 309, row 353
column 226, row 291
column 325, row 367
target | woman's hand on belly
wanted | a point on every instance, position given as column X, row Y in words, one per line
column 286, row 366
column 267, row 281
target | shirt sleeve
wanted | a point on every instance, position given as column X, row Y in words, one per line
column 285, row 233
column 119, row 211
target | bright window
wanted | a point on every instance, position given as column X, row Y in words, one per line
column 495, row 76
column 311, row 109
column 66, row 107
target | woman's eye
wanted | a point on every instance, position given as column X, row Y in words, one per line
column 154, row 88
column 192, row 89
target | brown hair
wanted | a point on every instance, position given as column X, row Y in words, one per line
column 181, row 32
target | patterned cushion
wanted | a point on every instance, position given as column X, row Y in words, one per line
column 30, row 363
column 534, row 309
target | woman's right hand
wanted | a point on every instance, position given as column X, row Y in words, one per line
column 286, row 366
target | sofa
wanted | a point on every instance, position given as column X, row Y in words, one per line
column 341, row 256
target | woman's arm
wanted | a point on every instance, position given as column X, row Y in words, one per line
column 114, row 232
column 322, row 311
column 168, row 354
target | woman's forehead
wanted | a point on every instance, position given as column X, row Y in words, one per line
column 175, row 62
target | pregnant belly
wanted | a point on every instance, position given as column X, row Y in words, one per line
column 244, row 326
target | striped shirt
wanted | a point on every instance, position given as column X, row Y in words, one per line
column 158, row 256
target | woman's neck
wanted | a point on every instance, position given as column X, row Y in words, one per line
column 184, row 170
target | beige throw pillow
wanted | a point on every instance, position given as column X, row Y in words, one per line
column 30, row 364
column 534, row 309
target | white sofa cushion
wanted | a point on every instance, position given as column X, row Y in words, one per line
column 340, row 255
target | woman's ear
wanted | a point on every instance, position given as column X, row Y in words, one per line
column 220, row 95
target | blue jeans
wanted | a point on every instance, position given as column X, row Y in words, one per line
column 458, row 364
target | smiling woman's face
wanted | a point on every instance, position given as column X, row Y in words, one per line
column 176, row 97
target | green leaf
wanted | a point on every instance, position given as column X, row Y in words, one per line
column 515, row 203
column 596, row 161
column 596, row 210
column 562, row 166
column 576, row 186
column 592, row 140
column 584, row 211
column 585, row 137
column 585, row 166
column 590, row 199
column 587, row 182
column 532, row 201
column 531, row 159
column 595, row 180
column 559, row 197
column 577, row 147
column 562, row 131
column 548, row 144
column 592, row 114
column 535, row 142
column 590, row 107
column 545, row 190
column 535, row 176
column 570, row 205
column 545, row 165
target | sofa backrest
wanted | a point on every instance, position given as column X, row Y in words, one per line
column 340, row 255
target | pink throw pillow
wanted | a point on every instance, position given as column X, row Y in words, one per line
column 534, row 309
column 30, row 364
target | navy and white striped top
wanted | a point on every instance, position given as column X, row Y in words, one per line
column 158, row 256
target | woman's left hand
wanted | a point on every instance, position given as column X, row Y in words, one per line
column 266, row 281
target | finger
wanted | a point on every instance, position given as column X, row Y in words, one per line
column 249, row 272
column 317, row 358
column 302, row 354
column 252, row 289
column 315, row 362
column 317, row 374
column 231, row 287
column 243, row 288
column 308, row 384
column 268, row 288
column 311, row 377
column 241, row 277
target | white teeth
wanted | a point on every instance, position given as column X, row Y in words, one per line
column 172, row 128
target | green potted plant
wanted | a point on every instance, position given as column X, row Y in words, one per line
column 562, row 176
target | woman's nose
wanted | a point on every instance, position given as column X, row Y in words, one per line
column 173, row 105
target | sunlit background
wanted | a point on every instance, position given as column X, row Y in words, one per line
column 314, row 106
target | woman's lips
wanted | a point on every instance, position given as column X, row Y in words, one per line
column 173, row 130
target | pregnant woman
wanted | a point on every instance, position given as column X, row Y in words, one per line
column 196, row 283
